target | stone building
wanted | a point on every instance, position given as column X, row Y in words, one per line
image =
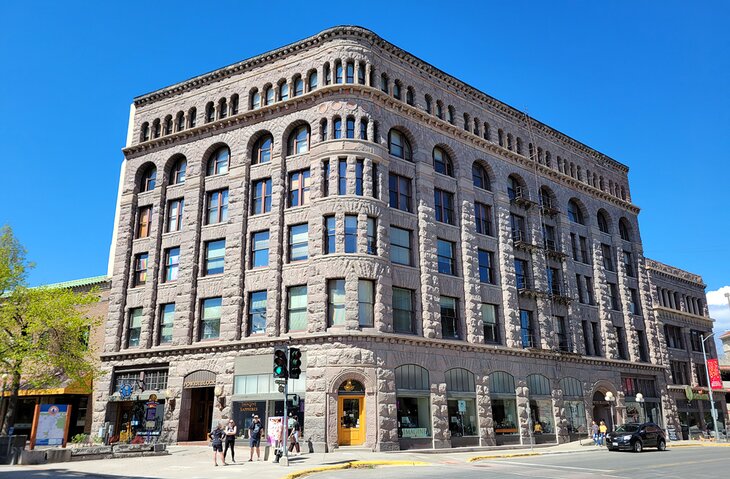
column 453, row 270
column 680, row 305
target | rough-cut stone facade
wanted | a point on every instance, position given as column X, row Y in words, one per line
column 507, row 143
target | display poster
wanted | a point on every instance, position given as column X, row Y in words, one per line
column 713, row 367
column 50, row 425
column 243, row 412
column 275, row 429
column 672, row 433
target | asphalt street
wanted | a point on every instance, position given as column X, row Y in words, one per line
column 679, row 463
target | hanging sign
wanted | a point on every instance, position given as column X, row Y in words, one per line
column 713, row 367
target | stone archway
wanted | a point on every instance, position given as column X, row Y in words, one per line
column 602, row 409
column 196, row 405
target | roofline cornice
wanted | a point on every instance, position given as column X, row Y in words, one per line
column 359, row 32
column 251, row 117
column 674, row 273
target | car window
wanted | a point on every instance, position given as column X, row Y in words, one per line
column 628, row 428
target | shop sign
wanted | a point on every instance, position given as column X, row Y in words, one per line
column 462, row 405
column 713, row 367
column 243, row 412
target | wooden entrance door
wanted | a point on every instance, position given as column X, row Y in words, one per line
column 351, row 411
column 201, row 413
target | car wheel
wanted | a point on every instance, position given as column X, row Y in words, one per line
column 662, row 446
column 638, row 446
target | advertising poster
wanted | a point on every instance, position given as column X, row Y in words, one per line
column 50, row 425
column 714, row 368
column 243, row 412
column 275, row 429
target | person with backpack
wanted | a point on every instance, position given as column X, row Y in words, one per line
column 216, row 437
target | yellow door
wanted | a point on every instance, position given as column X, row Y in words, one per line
column 352, row 420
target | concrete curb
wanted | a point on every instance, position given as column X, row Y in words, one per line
column 352, row 465
column 503, row 456
column 670, row 446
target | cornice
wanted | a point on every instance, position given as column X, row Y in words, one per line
column 675, row 273
column 359, row 337
column 670, row 313
column 324, row 93
column 374, row 39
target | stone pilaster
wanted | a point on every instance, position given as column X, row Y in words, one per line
column 484, row 411
column 470, row 265
column 506, row 264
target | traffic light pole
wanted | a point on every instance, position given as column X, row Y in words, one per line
column 285, row 429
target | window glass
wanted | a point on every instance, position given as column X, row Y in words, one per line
column 135, row 327
column 372, row 236
column 486, row 273
column 172, row 264
column 299, row 242
column 446, row 257
column 167, row 318
column 211, row 321
column 350, row 234
column 178, row 172
column 262, row 150
column 444, row 205
column 400, row 246
column 218, row 162
column 297, row 308
column 215, row 252
column 330, row 245
column 402, row 310
column 489, row 321
column 400, row 192
column 342, row 174
column 144, row 217
column 257, row 312
column 298, row 141
column 260, row 249
column 399, row 145
column 337, row 128
column 140, row 269
column 217, row 206
column 299, row 188
column 359, row 170
column 449, row 318
column 366, row 302
column 442, row 163
column 526, row 331
column 312, row 81
column 283, row 92
column 261, row 196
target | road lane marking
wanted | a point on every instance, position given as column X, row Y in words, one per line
column 574, row 468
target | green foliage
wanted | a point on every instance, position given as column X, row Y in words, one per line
column 79, row 439
column 13, row 264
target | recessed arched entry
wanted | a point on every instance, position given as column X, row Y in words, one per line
column 196, row 406
column 351, row 413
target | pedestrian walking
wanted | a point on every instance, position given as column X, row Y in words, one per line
column 231, row 431
column 216, row 437
column 602, row 430
column 594, row 433
column 294, row 435
column 254, row 438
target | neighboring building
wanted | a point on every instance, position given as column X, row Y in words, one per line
column 452, row 269
column 680, row 306
column 725, row 368
column 76, row 394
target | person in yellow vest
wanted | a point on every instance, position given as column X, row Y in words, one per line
column 602, row 430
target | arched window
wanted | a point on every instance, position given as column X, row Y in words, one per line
column 192, row 117
column 234, row 104
column 397, row 89
column 312, row 81
column 177, row 175
column 337, row 128
column 268, row 95
column 351, row 386
column 298, row 86
column 519, row 145
column 452, row 115
column 398, row 145
column 510, row 141
column 283, row 91
column 144, row 132
column 442, row 162
column 180, row 121
column 326, row 72
column 439, row 109
column 209, row 112
column 255, row 99
column 222, row 108
column 460, row 380
column 410, row 96
column 298, row 141
column 624, row 229
column 168, row 125
column 479, row 176
column 149, row 178
column 487, row 132
column 575, row 214
column 602, row 222
column 350, row 127
column 218, row 162
column 338, row 71
column 361, row 73
column 571, row 387
column 262, row 150
column 363, row 128
column 429, row 106
column 467, row 121
column 323, row 129
column 384, row 82
column 350, row 72
column 411, row 377
column 476, row 126
column 538, row 384
column 501, row 382
column 156, row 129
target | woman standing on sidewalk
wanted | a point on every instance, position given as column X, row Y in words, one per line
column 231, row 431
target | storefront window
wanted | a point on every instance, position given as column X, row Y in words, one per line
column 414, row 418
column 462, row 417
column 541, row 413
column 504, row 414
column 575, row 414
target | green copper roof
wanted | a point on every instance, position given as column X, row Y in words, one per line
column 77, row 283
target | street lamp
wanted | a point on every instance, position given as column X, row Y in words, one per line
column 709, row 387
column 610, row 398
column 640, row 400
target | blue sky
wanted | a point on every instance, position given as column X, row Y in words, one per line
column 644, row 82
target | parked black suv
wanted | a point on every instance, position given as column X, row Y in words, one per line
column 635, row 436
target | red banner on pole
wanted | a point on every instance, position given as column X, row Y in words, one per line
column 714, row 368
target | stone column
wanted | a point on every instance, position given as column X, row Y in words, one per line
column 470, row 264
column 431, row 315
column 561, row 423
column 523, row 411
column 440, row 417
column 484, row 411
column 387, row 438
column 505, row 259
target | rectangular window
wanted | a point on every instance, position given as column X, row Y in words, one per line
column 673, row 336
column 403, row 310
column 574, row 247
column 336, row 302
column 174, row 215
column 643, row 347
column 215, row 255
column 486, row 270
column 260, row 249
column 554, row 283
column 299, row 188
column 374, row 173
column 483, row 215
column 210, row 327
column 400, row 192
column 400, row 246
column 366, row 302
column 584, row 256
column 172, row 264
column 449, row 318
column 679, row 372
column 326, row 177
column 330, row 240
column 144, row 221
column 350, row 234
column 261, row 197
column 696, row 340
column 135, row 327
column 342, row 173
column 589, row 291
column 629, row 264
column 579, row 284
column 372, row 235
column 596, row 339
column 140, row 269
column 359, row 170
column 446, row 257
column 621, row 343
column 526, row 329
column 167, row 319
column 615, row 300
column 257, row 312
column 548, row 233
column 489, row 321
column 217, row 202
column 522, row 277
column 634, row 306
column 701, row 375
column 444, row 202
column 298, row 242
column 297, row 312
column 519, row 227
column 607, row 257
column 563, row 334
column 587, row 338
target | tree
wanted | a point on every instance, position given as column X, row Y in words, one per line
column 43, row 331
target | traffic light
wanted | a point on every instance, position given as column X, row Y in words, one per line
column 295, row 363
column 280, row 363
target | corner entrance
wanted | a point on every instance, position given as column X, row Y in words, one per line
column 351, row 413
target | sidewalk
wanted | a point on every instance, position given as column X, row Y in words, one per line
column 197, row 462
